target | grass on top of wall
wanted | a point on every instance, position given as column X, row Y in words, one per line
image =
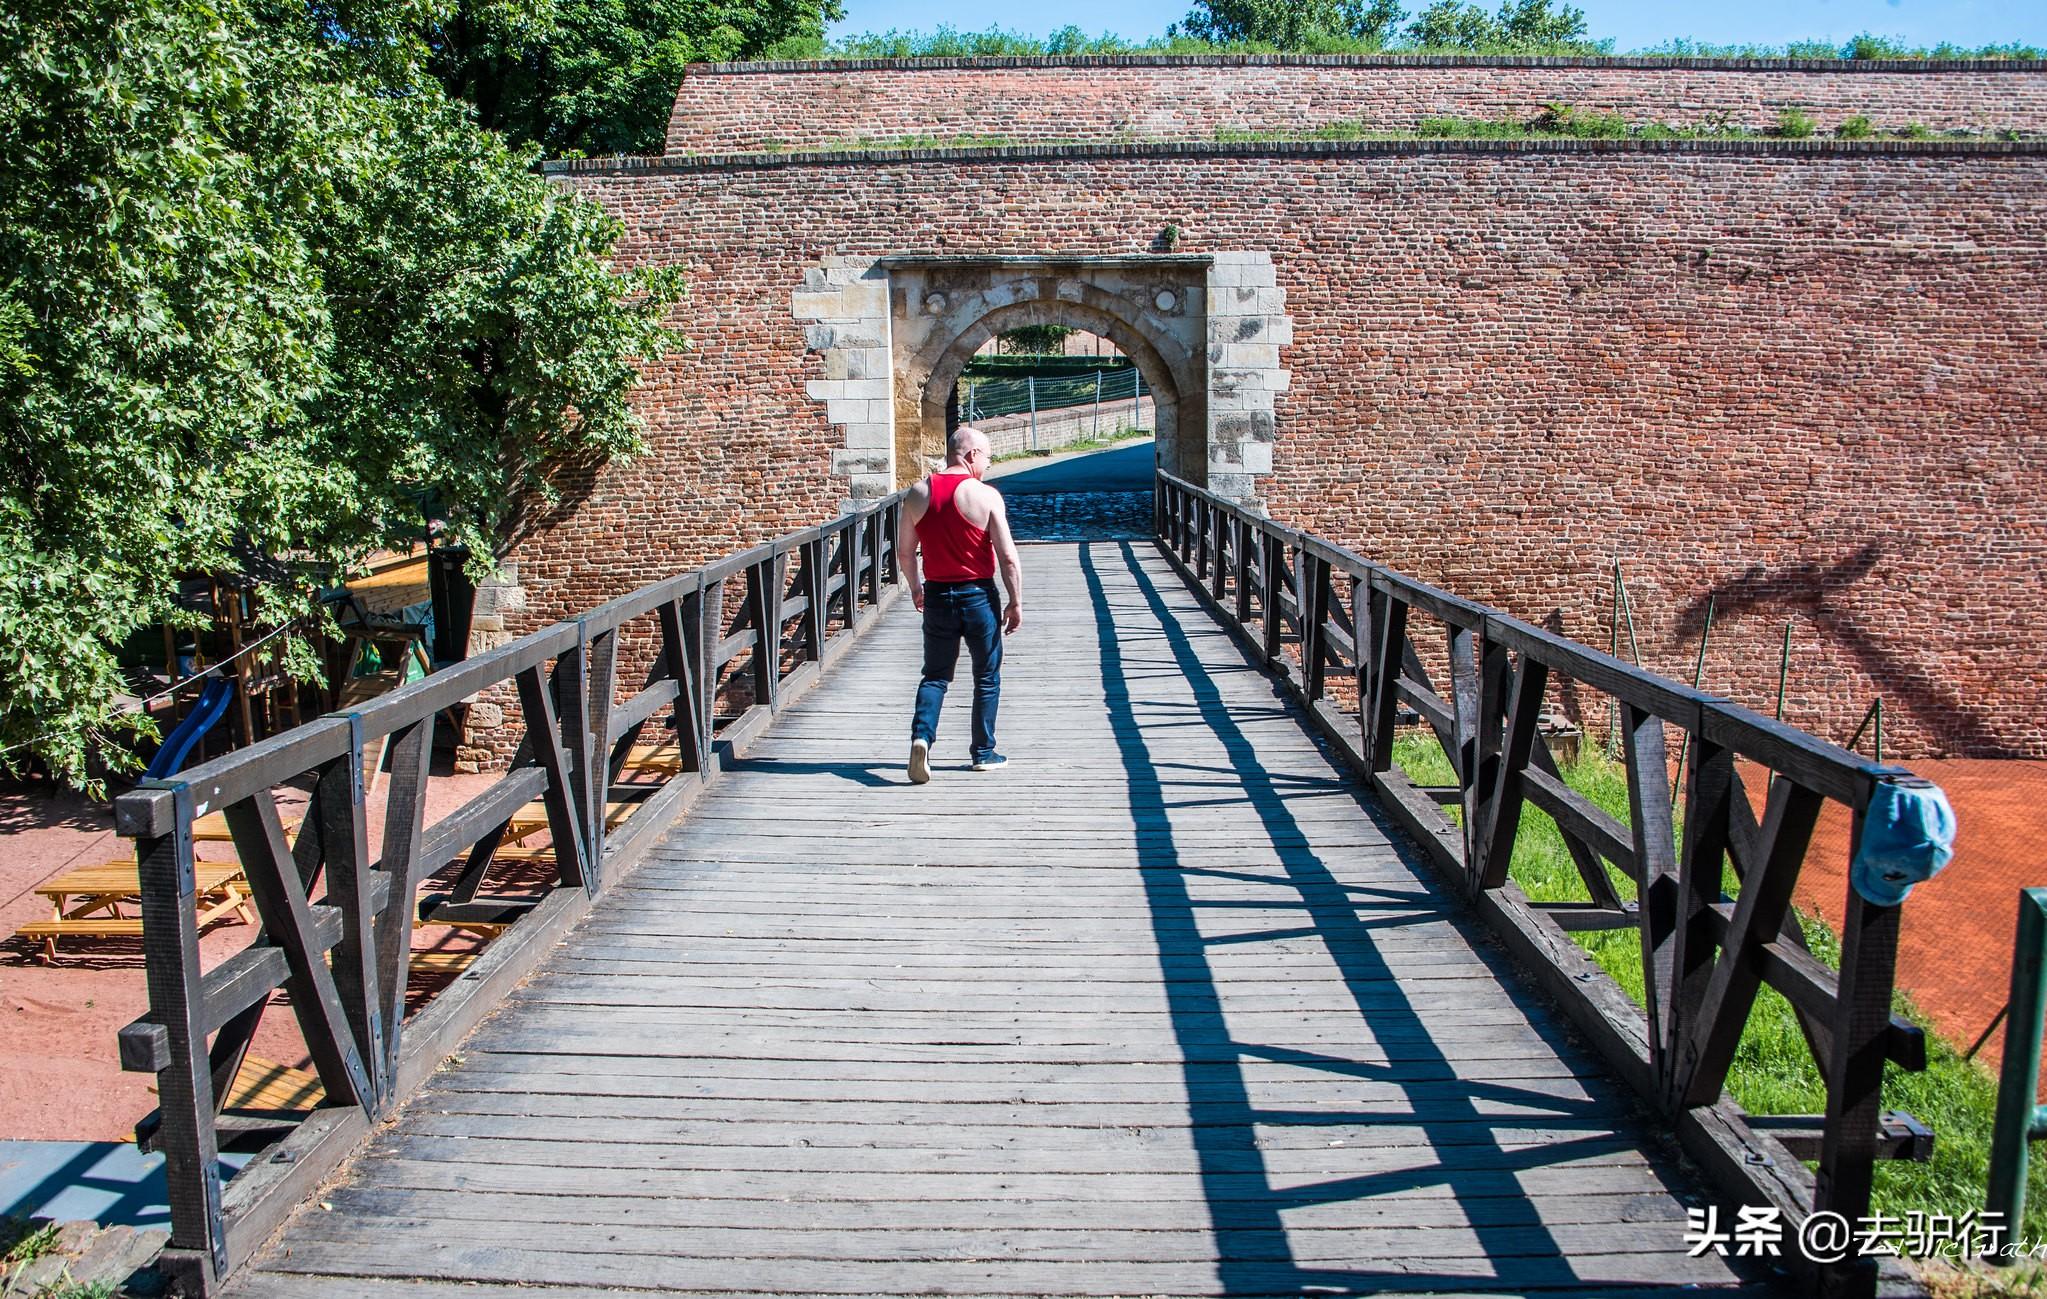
column 948, row 42
column 1556, row 121
column 1773, row 1071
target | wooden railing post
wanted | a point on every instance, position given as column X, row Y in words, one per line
column 1246, row 565
column 1389, row 640
column 856, row 565
column 1219, row 577
column 1647, row 759
column 543, row 730
column 601, row 690
column 1465, row 705
column 1869, row 955
column 1272, row 548
column 764, row 600
column 337, row 804
column 815, row 583
column 1503, row 805
column 412, row 750
column 1314, row 598
column 682, row 642
column 570, row 682
column 185, row 1097
column 872, row 525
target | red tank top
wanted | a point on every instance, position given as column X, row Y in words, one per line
column 954, row 549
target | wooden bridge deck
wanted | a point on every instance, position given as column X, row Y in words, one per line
column 1158, row 1010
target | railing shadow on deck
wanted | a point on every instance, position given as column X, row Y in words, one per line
column 1314, row 612
column 1460, row 1148
column 756, row 628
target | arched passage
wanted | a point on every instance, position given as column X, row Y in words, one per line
column 894, row 332
column 922, row 439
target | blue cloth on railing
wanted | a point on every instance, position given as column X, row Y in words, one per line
column 1908, row 834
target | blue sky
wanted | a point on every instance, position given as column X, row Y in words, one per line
column 1632, row 25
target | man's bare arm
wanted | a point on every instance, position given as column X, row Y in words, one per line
column 1007, row 560
column 915, row 502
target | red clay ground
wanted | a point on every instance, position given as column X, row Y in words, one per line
column 1955, row 946
column 60, row 1077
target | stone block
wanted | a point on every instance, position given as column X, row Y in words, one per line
column 1245, row 355
column 818, row 304
column 863, row 461
column 865, row 298
column 1242, row 426
column 870, row 436
column 824, row 389
column 1231, row 486
column 1225, row 274
column 856, row 363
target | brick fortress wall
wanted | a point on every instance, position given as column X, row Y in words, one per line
column 1806, row 382
column 743, row 108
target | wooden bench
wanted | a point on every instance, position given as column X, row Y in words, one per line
column 212, row 828
column 99, row 901
column 532, row 819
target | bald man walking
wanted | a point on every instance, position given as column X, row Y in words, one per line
column 959, row 536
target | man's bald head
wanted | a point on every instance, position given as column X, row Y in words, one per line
column 963, row 443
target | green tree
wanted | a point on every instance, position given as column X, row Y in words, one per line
column 600, row 76
column 1519, row 25
column 255, row 300
column 1034, row 340
column 1291, row 24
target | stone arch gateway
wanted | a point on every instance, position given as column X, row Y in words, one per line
column 1205, row 330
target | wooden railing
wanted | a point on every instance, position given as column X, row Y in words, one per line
column 1322, row 616
column 343, row 955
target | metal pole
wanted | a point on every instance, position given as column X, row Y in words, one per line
column 1684, row 748
column 1032, row 381
column 1613, row 650
column 1783, row 671
column 1098, row 405
column 2019, row 1119
column 1136, row 391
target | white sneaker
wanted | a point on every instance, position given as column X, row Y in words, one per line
column 920, row 762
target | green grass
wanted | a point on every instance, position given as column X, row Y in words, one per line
column 1773, row 1071
column 1555, row 122
column 23, row 1241
column 950, row 42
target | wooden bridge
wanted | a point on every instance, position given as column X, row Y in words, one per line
column 1199, row 996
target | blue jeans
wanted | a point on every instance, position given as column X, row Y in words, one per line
column 956, row 611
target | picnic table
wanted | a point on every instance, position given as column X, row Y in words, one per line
column 105, row 902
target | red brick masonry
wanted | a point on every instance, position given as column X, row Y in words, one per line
column 744, row 108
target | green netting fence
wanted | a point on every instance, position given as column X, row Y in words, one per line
column 987, row 398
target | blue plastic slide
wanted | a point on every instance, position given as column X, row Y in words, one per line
column 212, row 706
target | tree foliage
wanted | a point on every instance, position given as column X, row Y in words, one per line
column 600, row 76
column 1310, row 25
column 1518, row 25
column 1034, row 340
column 1291, row 24
column 261, row 291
